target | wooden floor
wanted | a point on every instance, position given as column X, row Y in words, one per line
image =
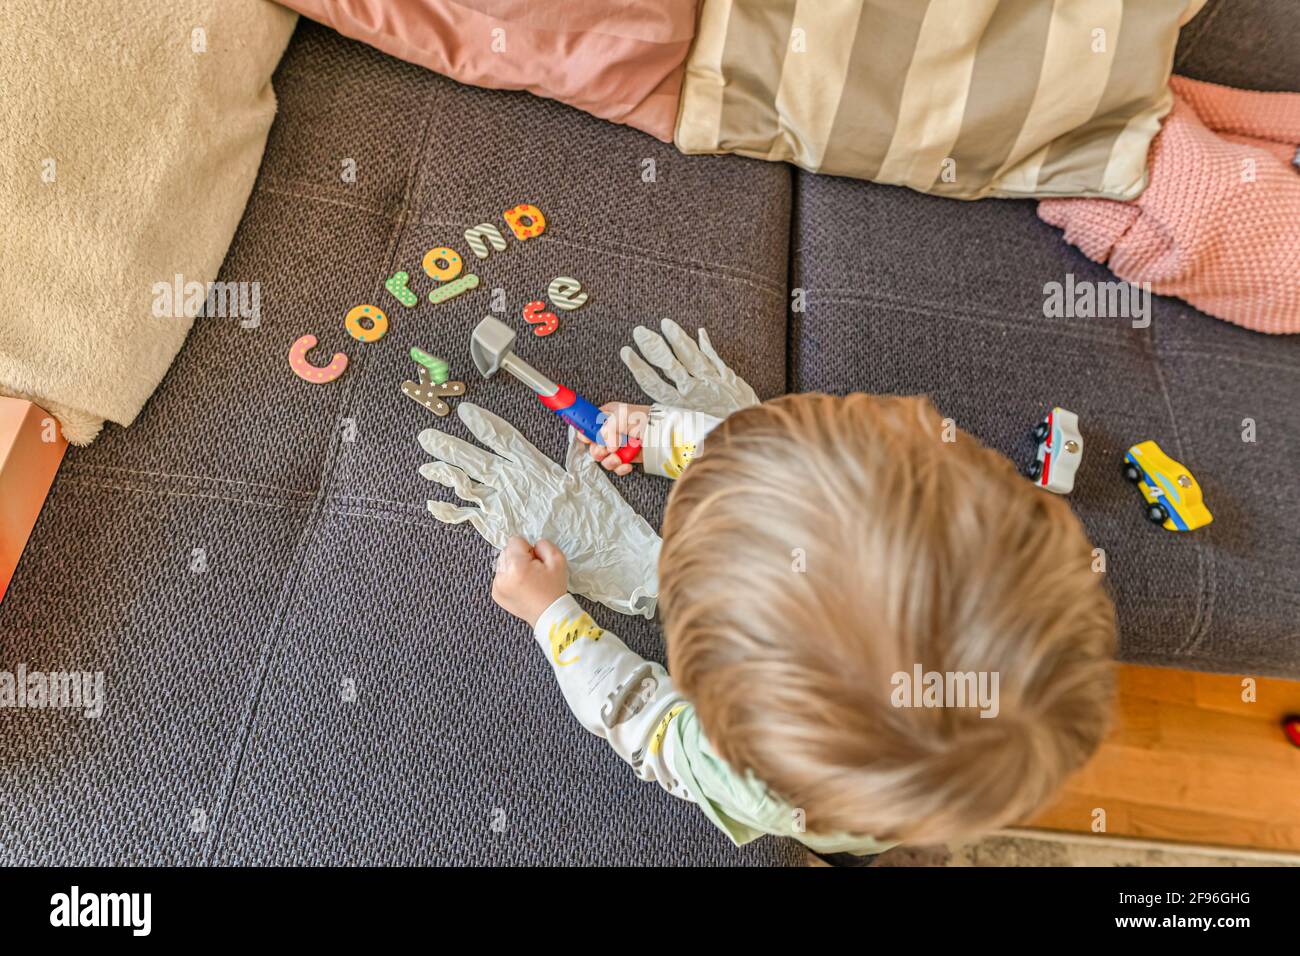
column 1189, row 760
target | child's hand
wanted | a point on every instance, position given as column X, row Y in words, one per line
column 529, row 579
column 623, row 420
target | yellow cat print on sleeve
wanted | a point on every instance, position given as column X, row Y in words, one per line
column 567, row 631
column 657, row 738
column 672, row 439
column 680, row 456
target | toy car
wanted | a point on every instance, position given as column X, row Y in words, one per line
column 1173, row 497
column 1060, row 449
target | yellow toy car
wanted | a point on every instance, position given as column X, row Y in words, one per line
column 1173, row 497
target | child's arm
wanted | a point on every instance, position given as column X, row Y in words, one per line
column 631, row 703
column 670, row 437
column 615, row 693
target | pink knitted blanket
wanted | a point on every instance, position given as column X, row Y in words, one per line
column 1219, row 224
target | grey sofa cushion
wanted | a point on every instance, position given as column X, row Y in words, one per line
column 231, row 560
column 322, row 563
column 915, row 294
column 1246, row 43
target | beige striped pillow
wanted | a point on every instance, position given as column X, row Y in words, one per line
column 964, row 98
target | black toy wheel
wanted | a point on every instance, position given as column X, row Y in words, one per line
column 1040, row 432
column 1156, row 514
column 1131, row 472
column 1033, row 470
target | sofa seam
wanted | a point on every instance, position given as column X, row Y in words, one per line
column 934, row 310
column 994, row 318
column 1226, row 356
column 236, row 761
column 334, row 504
column 380, row 212
column 626, row 250
column 277, row 489
column 596, row 244
column 100, row 485
column 793, row 266
column 1204, row 560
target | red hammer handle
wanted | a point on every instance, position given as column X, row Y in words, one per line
column 629, row 451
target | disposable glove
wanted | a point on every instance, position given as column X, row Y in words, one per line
column 613, row 553
column 701, row 381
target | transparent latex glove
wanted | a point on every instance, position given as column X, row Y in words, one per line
column 701, row 381
column 613, row 553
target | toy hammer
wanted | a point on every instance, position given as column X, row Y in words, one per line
column 492, row 347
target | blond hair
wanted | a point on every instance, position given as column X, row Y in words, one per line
column 818, row 547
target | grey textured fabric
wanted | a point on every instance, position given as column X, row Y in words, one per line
column 1252, row 44
column 913, row 294
column 233, row 560
column 226, row 686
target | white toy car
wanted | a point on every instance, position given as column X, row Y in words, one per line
column 1060, row 449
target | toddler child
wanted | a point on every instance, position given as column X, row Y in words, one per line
column 838, row 577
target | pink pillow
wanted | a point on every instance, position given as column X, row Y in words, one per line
column 621, row 62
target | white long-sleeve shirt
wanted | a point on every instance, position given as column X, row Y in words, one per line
column 672, row 437
column 632, row 704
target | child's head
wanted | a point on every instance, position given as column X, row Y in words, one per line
column 820, row 546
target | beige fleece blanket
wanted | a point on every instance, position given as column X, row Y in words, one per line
column 130, row 135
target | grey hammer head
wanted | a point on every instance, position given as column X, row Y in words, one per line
column 491, row 342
